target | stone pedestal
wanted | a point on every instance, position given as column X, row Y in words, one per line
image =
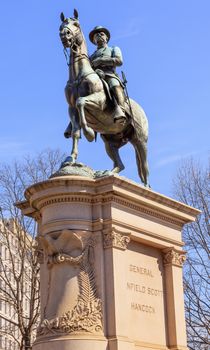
column 111, row 257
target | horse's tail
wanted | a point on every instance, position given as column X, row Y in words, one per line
column 68, row 131
column 96, row 134
column 139, row 140
column 138, row 120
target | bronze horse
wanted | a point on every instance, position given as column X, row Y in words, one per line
column 90, row 107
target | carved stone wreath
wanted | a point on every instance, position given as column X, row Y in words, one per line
column 84, row 317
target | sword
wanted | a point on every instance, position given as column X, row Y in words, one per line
column 124, row 80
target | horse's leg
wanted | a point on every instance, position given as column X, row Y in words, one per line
column 113, row 152
column 74, row 152
column 88, row 132
column 73, row 130
column 141, row 160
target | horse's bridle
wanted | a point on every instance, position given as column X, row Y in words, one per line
column 74, row 37
column 73, row 43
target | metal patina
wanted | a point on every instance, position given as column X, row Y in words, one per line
column 96, row 98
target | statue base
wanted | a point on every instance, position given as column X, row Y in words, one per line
column 69, row 168
column 111, row 264
column 76, row 343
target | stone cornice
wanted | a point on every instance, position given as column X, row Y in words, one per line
column 121, row 184
column 111, row 189
column 107, row 198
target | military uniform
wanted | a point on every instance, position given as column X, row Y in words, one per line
column 105, row 60
column 113, row 58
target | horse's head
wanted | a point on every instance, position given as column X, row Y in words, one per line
column 70, row 32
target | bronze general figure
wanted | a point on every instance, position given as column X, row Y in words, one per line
column 96, row 98
column 105, row 60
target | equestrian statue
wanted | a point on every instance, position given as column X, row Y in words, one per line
column 98, row 100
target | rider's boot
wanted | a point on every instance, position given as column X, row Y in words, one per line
column 119, row 110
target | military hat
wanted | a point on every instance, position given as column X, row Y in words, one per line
column 99, row 29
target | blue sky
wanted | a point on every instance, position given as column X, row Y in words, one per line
column 166, row 52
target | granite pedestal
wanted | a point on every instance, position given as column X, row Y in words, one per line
column 111, row 256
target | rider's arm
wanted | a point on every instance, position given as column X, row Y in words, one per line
column 117, row 56
column 113, row 61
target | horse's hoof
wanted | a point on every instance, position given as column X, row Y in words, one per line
column 68, row 161
column 67, row 135
column 89, row 134
column 118, row 169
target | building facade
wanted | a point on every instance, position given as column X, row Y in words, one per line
column 15, row 284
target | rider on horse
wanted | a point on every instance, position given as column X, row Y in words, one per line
column 89, row 107
column 104, row 61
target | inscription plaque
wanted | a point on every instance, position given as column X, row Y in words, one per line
column 141, row 287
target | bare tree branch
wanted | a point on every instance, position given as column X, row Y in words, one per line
column 19, row 278
column 192, row 187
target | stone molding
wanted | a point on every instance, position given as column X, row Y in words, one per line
column 62, row 258
column 113, row 238
column 66, row 199
column 172, row 256
column 147, row 211
column 108, row 182
column 103, row 200
column 108, row 189
column 137, row 231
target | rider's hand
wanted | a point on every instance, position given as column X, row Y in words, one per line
column 97, row 62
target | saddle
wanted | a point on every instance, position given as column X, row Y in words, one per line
column 107, row 90
column 117, row 109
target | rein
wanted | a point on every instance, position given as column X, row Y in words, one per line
column 79, row 57
column 67, row 56
column 73, row 43
column 77, row 82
